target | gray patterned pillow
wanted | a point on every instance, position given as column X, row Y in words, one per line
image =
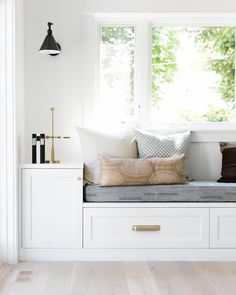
column 163, row 146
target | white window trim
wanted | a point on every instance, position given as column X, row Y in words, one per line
column 8, row 161
column 143, row 23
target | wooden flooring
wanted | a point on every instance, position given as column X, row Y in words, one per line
column 118, row 278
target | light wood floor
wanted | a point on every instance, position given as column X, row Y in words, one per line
column 119, row 278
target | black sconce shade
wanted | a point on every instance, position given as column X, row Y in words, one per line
column 50, row 46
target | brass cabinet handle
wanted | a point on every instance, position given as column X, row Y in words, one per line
column 79, row 178
column 145, row 227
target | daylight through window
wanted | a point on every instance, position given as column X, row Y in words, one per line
column 117, row 73
column 192, row 75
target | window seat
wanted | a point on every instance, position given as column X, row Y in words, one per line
column 194, row 191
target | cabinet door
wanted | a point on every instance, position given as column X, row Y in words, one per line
column 223, row 227
column 51, row 208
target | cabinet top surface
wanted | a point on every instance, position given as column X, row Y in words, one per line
column 77, row 165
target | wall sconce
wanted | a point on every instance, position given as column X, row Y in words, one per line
column 50, row 46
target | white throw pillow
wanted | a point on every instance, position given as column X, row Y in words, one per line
column 93, row 142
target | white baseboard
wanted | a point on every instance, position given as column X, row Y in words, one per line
column 127, row 255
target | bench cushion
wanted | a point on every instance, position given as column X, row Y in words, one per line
column 194, row 191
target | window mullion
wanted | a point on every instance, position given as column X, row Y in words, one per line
column 143, row 73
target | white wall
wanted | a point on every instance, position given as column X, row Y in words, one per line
column 53, row 81
column 158, row 6
column 66, row 81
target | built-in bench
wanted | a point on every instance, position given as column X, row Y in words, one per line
column 194, row 221
column 198, row 218
column 194, row 191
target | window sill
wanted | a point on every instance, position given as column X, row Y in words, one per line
column 196, row 126
column 201, row 132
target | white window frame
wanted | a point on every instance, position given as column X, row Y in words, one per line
column 143, row 22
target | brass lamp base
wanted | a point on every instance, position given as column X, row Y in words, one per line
column 53, row 162
column 53, row 137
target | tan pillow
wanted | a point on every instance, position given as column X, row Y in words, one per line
column 116, row 171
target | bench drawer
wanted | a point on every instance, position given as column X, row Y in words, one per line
column 146, row 227
column 223, row 227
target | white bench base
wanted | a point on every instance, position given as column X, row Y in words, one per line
column 127, row 255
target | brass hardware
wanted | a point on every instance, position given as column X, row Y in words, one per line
column 79, row 178
column 53, row 137
column 146, row 227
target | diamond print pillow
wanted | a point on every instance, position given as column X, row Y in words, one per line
column 163, row 146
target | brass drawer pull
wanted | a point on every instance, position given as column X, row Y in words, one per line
column 146, row 228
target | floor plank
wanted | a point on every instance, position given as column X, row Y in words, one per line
column 140, row 279
column 107, row 278
column 219, row 276
column 170, row 279
column 118, row 278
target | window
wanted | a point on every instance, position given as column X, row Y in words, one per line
column 190, row 71
column 117, row 73
column 193, row 74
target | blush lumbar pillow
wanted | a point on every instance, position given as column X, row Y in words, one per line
column 228, row 171
column 94, row 142
column 115, row 171
column 163, row 146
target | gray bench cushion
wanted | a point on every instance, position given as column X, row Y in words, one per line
column 194, row 191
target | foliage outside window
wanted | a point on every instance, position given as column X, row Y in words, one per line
column 193, row 74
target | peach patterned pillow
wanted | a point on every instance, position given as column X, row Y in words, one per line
column 117, row 171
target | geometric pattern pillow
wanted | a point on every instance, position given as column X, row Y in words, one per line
column 163, row 146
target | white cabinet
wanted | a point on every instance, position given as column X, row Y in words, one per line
column 55, row 223
column 223, row 227
column 146, row 227
column 51, row 206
